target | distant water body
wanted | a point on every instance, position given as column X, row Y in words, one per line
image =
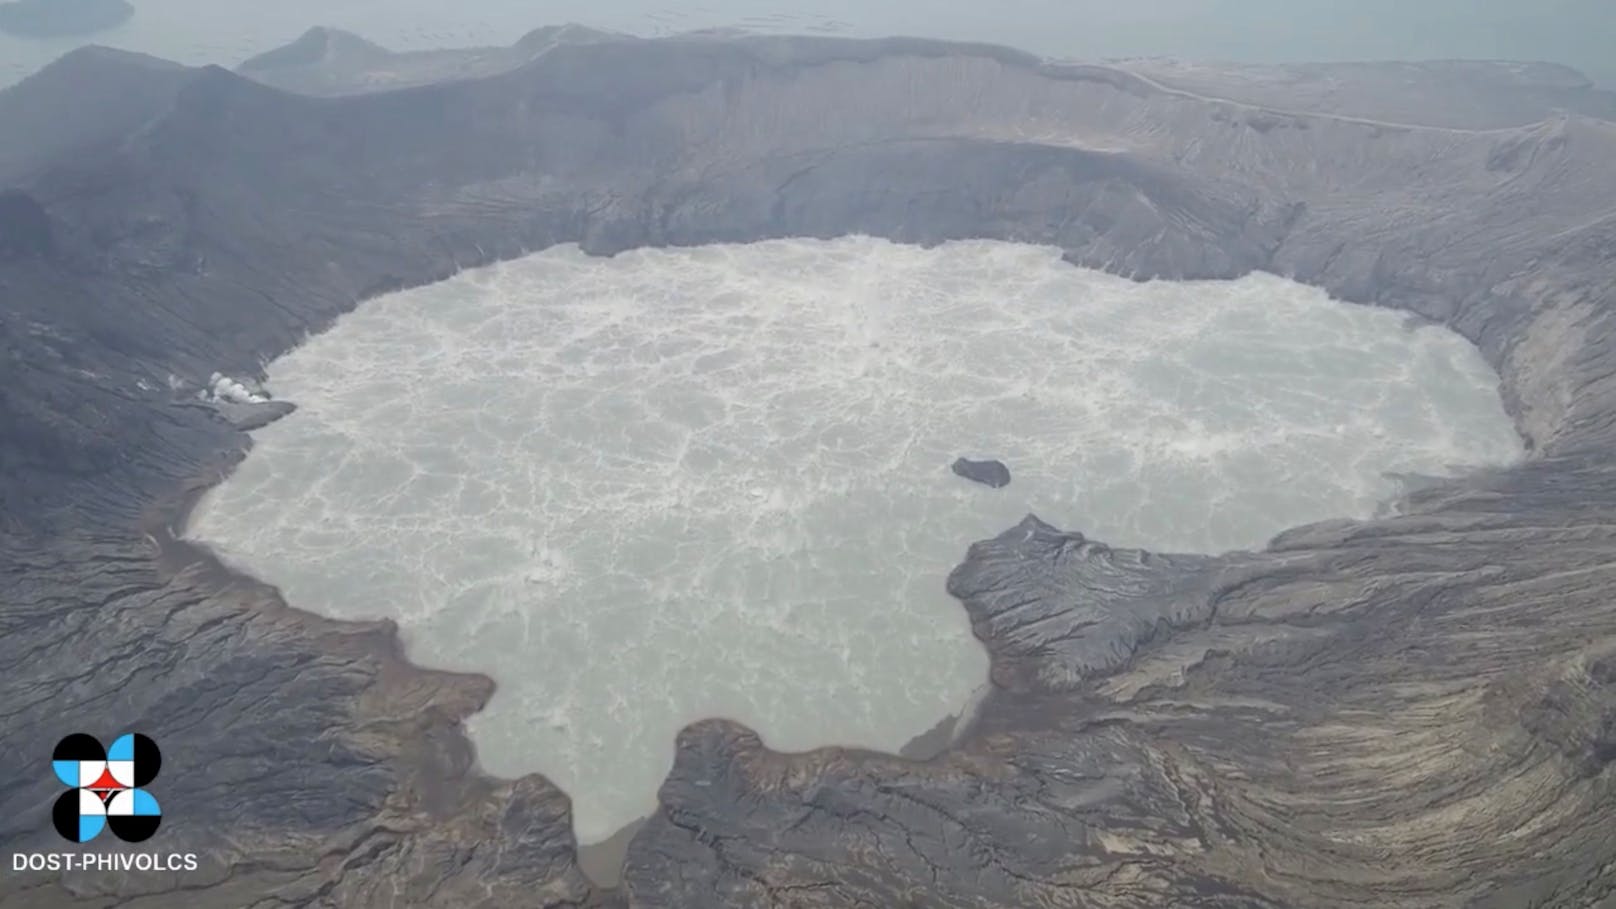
column 1574, row 32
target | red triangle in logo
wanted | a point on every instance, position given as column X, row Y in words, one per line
column 106, row 781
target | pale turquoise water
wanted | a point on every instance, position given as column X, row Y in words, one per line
column 1577, row 32
column 675, row 484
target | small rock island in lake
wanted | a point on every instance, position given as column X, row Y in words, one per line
column 62, row 18
column 988, row 473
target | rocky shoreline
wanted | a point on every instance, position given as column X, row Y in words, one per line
column 1418, row 710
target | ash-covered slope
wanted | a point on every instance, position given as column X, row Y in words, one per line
column 91, row 97
column 1469, row 94
column 1416, row 711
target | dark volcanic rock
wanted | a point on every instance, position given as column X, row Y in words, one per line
column 1411, row 711
column 24, row 228
column 988, row 473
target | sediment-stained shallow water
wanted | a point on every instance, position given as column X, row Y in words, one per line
column 674, row 484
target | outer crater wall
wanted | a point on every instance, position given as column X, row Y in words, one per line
column 1412, row 711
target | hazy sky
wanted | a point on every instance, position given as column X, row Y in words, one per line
column 1577, row 32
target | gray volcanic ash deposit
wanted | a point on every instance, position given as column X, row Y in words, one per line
column 1414, row 711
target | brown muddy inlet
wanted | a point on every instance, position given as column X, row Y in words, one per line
column 679, row 484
